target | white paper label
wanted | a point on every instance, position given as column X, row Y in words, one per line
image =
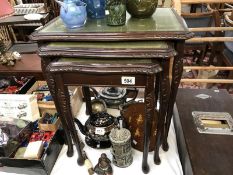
column 135, row 142
column 100, row 131
column 128, row 80
column 106, row 12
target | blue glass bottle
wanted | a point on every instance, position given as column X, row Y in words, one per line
column 95, row 8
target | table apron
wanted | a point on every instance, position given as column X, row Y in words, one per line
column 102, row 79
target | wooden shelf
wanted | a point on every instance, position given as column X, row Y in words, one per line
column 29, row 65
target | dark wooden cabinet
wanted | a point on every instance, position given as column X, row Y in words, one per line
column 202, row 154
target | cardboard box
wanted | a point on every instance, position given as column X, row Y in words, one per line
column 35, row 87
column 49, row 127
column 34, row 150
column 42, row 166
column 19, row 106
column 75, row 99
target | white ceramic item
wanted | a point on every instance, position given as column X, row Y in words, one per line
column 33, row 16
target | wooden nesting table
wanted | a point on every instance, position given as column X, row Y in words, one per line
column 159, row 38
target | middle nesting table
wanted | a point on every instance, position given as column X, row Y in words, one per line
column 98, row 64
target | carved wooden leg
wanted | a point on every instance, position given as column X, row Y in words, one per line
column 51, row 85
column 163, row 101
column 156, row 90
column 87, row 96
column 176, row 77
column 64, row 102
column 150, row 109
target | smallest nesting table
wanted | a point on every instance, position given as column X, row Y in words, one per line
column 109, row 72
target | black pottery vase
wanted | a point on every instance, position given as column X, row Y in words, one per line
column 141, row 8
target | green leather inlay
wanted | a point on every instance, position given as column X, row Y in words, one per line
column 111, row 45
column 163, row 20
column 106, row 61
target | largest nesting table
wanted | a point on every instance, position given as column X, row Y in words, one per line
column 159, row 38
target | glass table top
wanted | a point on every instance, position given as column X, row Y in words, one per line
column 165, row 24
column 163, row 19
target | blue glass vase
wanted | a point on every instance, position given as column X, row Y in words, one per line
column 95, row 8
column 73, row 13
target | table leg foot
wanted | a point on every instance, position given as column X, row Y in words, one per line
column 80, row 161
column 70, row 152
column 157, row 160
column 165, row 146
column 145, row 169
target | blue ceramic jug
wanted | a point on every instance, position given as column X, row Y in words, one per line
column 73, row 13
column 95, row 8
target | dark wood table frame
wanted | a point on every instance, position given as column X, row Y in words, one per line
column 161, row 55
column 71, row 73
column 162, row 31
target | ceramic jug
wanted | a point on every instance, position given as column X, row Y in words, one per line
column 95, row 8
column 141, row 8
column 73, row 13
